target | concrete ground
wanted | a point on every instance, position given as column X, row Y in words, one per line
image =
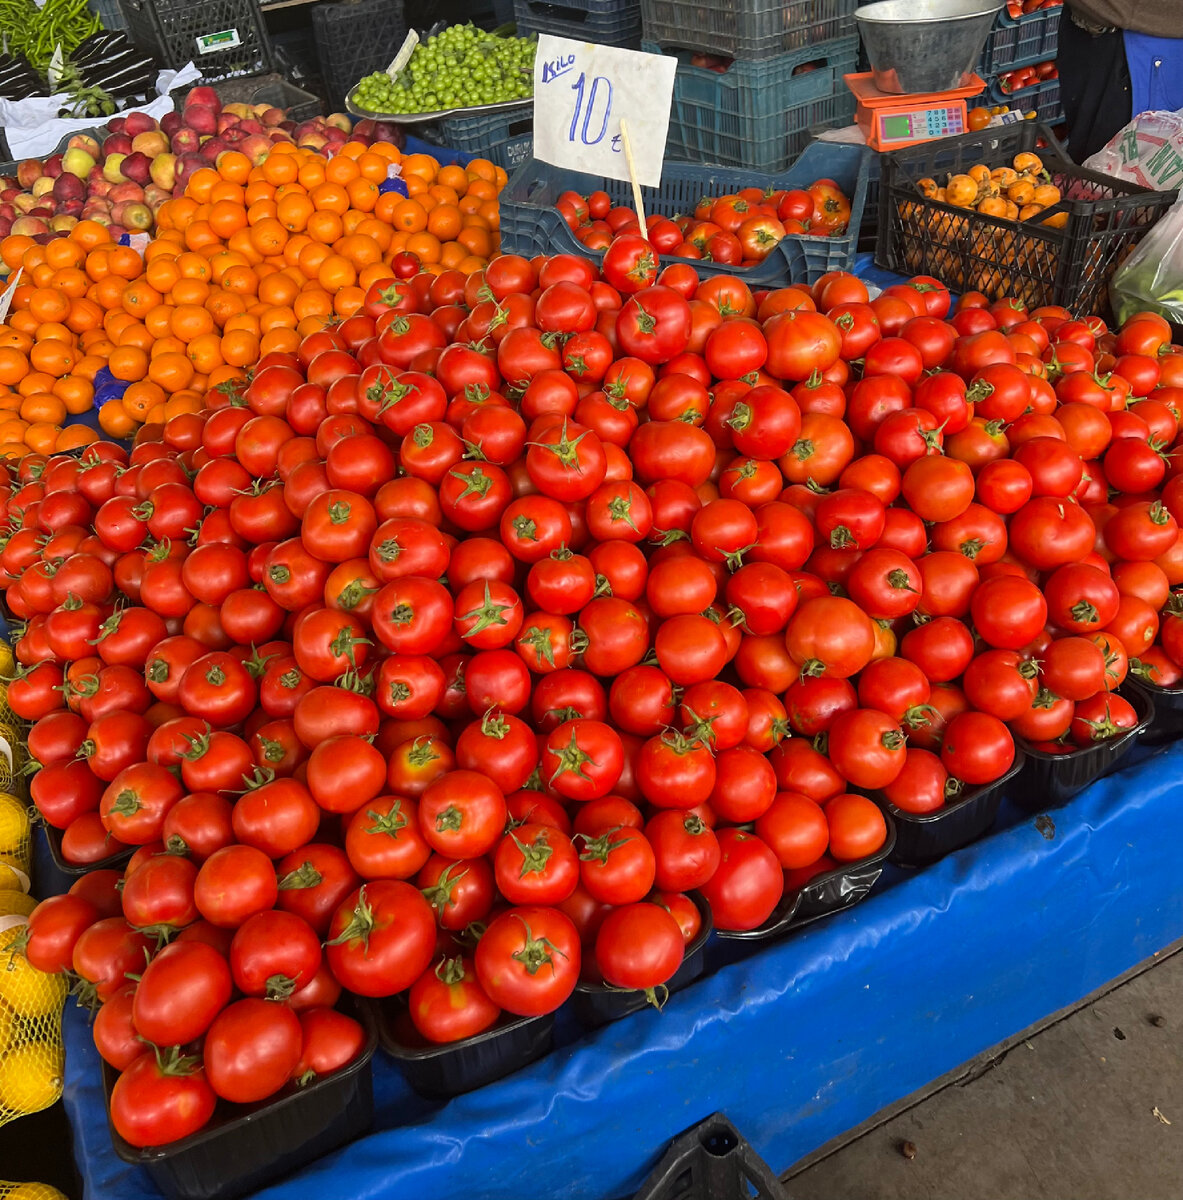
column 1087, row 1107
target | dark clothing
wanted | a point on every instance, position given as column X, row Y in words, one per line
column 1094, row 86
column 1161, row 18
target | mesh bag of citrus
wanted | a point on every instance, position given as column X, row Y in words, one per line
column 30, row 1191
column 31, row 1054
column 15, row 845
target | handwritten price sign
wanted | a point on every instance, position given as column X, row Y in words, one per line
column 581, row 92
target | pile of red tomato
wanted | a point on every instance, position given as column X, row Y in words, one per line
column 453, row 653
column 740, row 229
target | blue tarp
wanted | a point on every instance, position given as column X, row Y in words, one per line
column 797, row 1042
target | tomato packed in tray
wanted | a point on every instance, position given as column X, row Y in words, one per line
column 740, row 229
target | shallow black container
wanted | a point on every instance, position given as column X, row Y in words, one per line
column 922, row 838
column 1050, row 780
column 247, row 1147
column 74, row 871
column 824, row 894
column 596, row 1004
column 441, row 1072
column 1167, row 725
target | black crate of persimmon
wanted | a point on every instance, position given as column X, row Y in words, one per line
column 1005, row 212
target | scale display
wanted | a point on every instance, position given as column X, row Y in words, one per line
column 920, row 125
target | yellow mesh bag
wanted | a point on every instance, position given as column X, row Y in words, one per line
column 15, row 834
column 32, row 1059
column 30, row 1191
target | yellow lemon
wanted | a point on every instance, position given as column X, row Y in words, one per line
column 30, row 993
column 31, row 1077
column 14, row 902
column 12, row 877
column 14, row 821
column 35, row 1191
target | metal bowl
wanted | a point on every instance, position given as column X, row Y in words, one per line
column 918, row 46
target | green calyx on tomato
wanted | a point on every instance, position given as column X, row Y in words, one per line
column 571, row 760
column 439, row 894
column 537, row 952
column 476, row 482
column 597, row 849
column 535, row 855
column 487, row 614
column 390, row 823
column 304, row 876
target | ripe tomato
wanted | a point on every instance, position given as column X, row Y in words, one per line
column 857, row 827
column 251, row 1050
column 639, row 946
column 180, row 993
column 447, row 1003
column 161, row 1097
column 274, row 954
column 382, row 938
column 748, row 883
column 528, row 960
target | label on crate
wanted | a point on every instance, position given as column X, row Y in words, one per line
column 581, row 92
column 401, row 59
column 224, row 39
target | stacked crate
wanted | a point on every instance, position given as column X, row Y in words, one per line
column 1023, row 42
column 608, row 22
column 754, row 76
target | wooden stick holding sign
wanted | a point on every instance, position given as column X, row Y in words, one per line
column 638, row 201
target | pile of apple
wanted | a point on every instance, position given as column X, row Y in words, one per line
column 122, row 180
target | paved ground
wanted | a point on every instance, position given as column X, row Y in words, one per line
column 1088, row 1108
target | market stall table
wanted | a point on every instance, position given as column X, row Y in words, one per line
column 797, row 1042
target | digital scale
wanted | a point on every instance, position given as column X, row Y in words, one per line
column 890, row 122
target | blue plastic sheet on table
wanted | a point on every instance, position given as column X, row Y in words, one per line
column 796, row 1042
column 107, row 387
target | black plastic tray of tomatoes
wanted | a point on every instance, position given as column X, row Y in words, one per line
column 922, row 838
column 443, row 1070
column 1167, row 725
column 1051, row 780
column 596, row 1004
column 823, row 895
column 246, row 1147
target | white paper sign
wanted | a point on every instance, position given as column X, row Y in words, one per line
column 581, row 91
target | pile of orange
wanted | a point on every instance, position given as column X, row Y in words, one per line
column 249, row 260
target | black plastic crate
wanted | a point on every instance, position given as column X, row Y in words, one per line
column 505, row 138
column 596, row 1004
column 758, row 114
column 355, row 38
column 1050, row 780
column 746, row 29
column 530, row 224
column 223, row 38
column 1021, row 41
column 441, row 1071
column 607, row 22
column 1043, row 99
column 922, row 838
column 245, row 1147
column 1026, row 260
column 299, row 104
column 712, row 1161
column 1167, row 725
column 823, row 895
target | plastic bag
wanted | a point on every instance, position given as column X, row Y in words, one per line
column 1148, row 151
column 1152, row 277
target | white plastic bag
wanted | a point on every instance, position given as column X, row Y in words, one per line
column 1148, row 151
column 1152, row 277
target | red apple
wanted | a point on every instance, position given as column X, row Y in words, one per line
column 138, row 122
column 170, row 123
column 202, row 118
column 137, row 166
column 204, row 97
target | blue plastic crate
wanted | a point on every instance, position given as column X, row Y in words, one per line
column 746, row 29
column 607, row 22
column 1020, row 42
column 505, row 138
column 759, row 114
column 1043, row 98
column 530, row 224
column 109, row 12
